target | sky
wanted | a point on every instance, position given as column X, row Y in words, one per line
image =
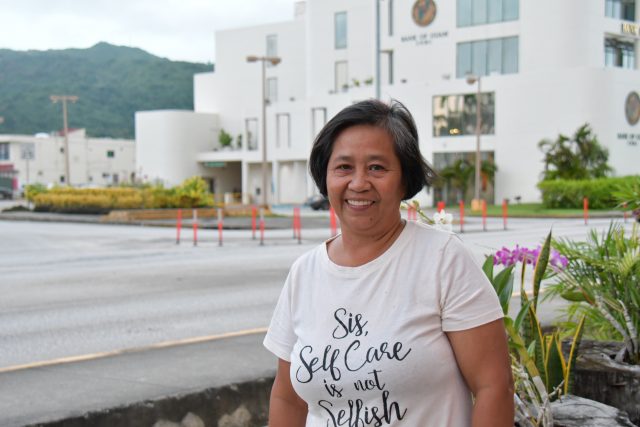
column 181, row 30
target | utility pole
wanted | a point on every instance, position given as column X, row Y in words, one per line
column 377, row 82
column 64, row 99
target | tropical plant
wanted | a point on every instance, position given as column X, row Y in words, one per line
column 458, row 175
column 488, row 170
column 541, row 371
column 602, row 282
column 224, row 138
column 628, row 196
column 578, row 157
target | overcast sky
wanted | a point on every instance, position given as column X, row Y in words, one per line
column 174, row 29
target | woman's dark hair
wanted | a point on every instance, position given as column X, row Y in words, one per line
column 393, row 118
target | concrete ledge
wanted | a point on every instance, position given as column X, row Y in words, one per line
column 235, row 405
column 221, row 383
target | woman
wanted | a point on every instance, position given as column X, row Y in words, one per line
column 390, row 322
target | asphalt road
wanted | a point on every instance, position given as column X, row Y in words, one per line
column 78, row 289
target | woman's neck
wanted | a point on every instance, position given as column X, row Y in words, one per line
column 354, row 249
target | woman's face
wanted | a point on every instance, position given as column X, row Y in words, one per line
column 364, row 180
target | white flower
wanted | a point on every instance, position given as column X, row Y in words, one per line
column 443, row 220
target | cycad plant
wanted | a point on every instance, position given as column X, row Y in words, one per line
column 602, row 281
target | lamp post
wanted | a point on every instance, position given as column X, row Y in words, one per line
column 273, row 60
column 64, row 99
column 475, row 203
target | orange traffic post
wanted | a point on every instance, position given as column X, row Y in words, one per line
column 299, row 226
column 333, row 222
column 178, row 226
column 484, row 215
column 261, row 227
column 624, row 211
column 440, row 206
column 220, row 224
column 195, row 227
column 295, row 222
column 504, row 213
column 585, row 208
column 462, row 216
column 253, row 222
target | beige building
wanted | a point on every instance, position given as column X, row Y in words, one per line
column 92, row 161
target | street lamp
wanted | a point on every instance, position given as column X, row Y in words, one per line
column 475, row 203
column 273, row 60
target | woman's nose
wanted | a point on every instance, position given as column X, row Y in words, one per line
column 359, row 181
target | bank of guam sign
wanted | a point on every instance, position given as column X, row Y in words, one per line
column 632, row 108
column 423, row 12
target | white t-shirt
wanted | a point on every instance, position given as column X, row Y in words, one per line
column 367, row 344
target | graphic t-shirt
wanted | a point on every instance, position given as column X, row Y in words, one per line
column 367, row 344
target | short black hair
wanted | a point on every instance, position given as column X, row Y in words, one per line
column 394, row 118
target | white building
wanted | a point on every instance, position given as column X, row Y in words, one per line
column 547, row 67
column 92, row 161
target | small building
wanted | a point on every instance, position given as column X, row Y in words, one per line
column 40, row 159
column 544, row 68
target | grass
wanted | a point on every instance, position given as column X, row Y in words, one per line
column 524, row 210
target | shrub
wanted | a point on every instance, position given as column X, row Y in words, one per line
column 560, row 193
column 190, row 194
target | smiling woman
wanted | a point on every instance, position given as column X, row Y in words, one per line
column 390, row 322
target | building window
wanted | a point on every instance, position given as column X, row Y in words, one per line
column 484, row 57
column 283, row 130
column 62, row 179
column 620, row 9
column 341, row 76
column 272, row 47
column 4, row 151
column 318, row 120
column 251, row 129
column 480, row 12
column 455, row 115
column 111, row 154
column 618, row 53
column 272, row 90
column 386, row 67
column 340, row 30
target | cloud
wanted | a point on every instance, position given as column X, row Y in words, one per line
column 177, row 29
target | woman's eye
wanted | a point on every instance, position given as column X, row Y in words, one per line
column 343, row 167
column 376, row 168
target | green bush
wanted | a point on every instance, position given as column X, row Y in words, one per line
column 192, row 193
column 561, row 193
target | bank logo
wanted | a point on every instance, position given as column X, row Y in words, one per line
column 632, row 108
column 423, row 12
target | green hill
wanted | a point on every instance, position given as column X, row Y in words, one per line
column 112, row 83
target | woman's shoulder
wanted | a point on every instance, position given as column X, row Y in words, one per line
column 428, row 236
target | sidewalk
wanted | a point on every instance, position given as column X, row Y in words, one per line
column 210, row 379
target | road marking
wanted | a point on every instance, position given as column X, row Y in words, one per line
column 164, row 344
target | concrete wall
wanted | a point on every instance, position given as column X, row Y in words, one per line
column 167, row 143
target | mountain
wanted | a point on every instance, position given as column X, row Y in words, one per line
column 111, row 82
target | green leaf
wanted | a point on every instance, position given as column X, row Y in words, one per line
column 555, row 365
column 487, row 267
column 541, row 267
column 575, row 296
column 573, row 355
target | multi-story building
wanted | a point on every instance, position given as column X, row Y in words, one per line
column 92, row 161
column 544, row 68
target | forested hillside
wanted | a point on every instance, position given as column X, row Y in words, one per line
column 112, row 83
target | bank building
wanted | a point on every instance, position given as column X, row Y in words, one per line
column 541, row 68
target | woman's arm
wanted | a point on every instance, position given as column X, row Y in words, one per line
column 483, row 359
column 286, row 408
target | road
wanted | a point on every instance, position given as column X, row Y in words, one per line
column 78, row 289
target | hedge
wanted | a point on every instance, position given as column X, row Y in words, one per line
column 190, row 194
column 561, row 193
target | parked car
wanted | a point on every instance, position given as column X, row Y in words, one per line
column 317, row 202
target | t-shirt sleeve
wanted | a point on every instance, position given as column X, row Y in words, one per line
column 280, row 336
column 467, row 298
